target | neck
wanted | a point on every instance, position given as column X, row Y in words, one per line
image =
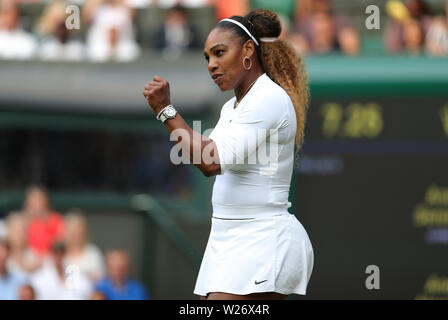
column 249, row 79
column 60, row 269
column 76, row 249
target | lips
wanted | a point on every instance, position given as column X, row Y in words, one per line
column 217, row 77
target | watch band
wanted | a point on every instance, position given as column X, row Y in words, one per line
column 163, row 117
column 164, row 113
column 161, row 111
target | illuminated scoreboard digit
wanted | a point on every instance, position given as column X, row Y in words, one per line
column 353, row 121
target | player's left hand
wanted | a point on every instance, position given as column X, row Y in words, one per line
column 157, row 93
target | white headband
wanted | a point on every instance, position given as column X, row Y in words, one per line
column 242, row 27
column 268, row 39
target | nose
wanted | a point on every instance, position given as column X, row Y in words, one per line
column 212, row 66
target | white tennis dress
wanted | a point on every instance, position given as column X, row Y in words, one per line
column 255, row 244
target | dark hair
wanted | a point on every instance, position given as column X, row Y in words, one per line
column 279, row 60
column 423, row 7
column 58, row 247
column 35, row 187
column 178, row 8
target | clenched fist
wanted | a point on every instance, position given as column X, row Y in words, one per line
column 157, row 93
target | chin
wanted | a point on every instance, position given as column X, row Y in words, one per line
column 223, row 87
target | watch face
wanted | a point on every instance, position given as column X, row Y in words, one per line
column 170, row 112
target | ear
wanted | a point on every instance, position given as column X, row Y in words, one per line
column 249, row 48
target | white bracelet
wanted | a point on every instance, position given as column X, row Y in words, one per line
column 158, row 115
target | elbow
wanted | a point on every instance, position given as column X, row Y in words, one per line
column 207, row 174
column 211, row 171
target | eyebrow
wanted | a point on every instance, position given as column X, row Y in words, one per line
column 216, row 45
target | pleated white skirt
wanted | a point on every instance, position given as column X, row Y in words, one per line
column 267, row 254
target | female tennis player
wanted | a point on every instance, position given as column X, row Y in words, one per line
column 256, row 248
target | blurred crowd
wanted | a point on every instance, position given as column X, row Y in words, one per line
column 412, row 29
column 109, row 28
column 45, row 255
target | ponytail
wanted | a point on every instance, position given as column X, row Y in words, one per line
column 283, row 65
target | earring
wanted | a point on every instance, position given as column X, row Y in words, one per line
column 244, row 63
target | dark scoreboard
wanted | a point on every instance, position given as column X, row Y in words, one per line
column 371, row 189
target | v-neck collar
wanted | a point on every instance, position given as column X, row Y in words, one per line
column 248, row 92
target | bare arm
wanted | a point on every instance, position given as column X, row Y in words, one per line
column 157, row 94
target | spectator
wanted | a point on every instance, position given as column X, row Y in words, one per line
column 419, row 9
column 45, row 227
column 405, row 17
column 26, row 292
column 57, row 41
column 437, row 36
column 349, row 41
column 176, row 35
column 51, row 17
column 296, row 39
column 56, row 281
column 15, row 43
column 21, row 258
column 413, row 37
column 319, row 30
column 80, row 252
column 307, row 8
column 117, row 285
column 228, row 8
column 10, row 282
column 299, row 42
column 323, row 34
column 111, row 35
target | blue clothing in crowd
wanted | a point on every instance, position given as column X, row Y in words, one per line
column 10, row 285
column 131, row 290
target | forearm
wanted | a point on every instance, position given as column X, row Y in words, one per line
column 201, row 150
